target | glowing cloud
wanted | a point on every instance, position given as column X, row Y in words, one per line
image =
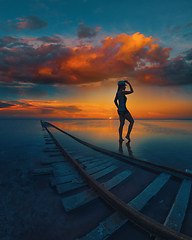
column 123, row 55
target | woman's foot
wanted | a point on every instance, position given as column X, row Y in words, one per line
column 121, row 140
column 128, row 138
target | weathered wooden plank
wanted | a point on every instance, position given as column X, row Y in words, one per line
column 53, row 160
column 42, row 171
column 77, row 157
column 68, row 178
column 63, row 168
column 62, row 171
column 70, row 152
column 64, row 179
column 104, row 172
column 115, row 221
column 177, row 213
column 53, row 147
column 85, row 159
column 67, row 171
column 99, row 168
column 55, row 155
column 95, row 160
column 151, row 190
column 62, row 188
column 97, row 164
column 74, row 184
column 72, row 202
column 51, row 150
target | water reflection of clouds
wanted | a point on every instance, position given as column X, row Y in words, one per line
column 160, row 141
column 168, row 127
column 98, row 131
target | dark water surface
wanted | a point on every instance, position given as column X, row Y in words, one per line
column 167, row 142
column 31, row 209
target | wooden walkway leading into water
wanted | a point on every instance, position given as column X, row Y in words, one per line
column 76, row 170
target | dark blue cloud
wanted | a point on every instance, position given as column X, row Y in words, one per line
column 188, row 25
column 30, row 22
column 49, row 39
column 84, row 31
column 5, row 105
column 188, row 56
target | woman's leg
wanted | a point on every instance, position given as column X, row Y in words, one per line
column 122, row 122
column 131, row 122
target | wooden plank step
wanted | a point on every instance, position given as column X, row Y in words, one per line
column 85, row 159
column 104, row 172
column 64, row 179
column 42, row 171
column 92, row 159
column 99, row 168
column 70, row 152
column 63, row 172
column 74, row 184
column 62, row 188
column 51, row 150
column 77, row 157
column 115, row 221
column 151, row 190
column 55, row 155
column 98, row 160
column 75, row 201
column 68, row 178
column 53, row 160
column 95, row 161
column 63, row 168
column 177, row 213
column 96, row 164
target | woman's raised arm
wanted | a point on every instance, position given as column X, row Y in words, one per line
column 127, row 92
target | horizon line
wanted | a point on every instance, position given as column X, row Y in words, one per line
column 52, row 118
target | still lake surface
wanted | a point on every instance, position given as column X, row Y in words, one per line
column 166, row 142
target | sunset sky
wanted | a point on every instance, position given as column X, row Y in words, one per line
column 63, row 59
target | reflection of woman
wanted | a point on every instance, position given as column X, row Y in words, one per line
column 120, row 102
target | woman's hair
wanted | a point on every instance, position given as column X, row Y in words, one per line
column 118, row 89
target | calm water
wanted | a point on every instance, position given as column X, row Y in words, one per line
column 167, row 142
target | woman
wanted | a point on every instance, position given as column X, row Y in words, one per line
column 120, row 102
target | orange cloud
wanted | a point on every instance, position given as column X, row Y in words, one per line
column 54, row 109
column 117, row 56
column 123, row 55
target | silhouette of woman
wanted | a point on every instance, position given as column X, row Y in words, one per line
column 120, row 102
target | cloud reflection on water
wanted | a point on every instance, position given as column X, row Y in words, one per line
column 166, row 142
